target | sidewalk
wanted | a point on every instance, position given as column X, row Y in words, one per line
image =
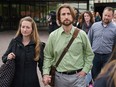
column 5, row 38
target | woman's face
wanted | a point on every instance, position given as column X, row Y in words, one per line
column 26, row 28
column 97, row 14
column 86, row 17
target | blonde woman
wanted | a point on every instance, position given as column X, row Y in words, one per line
column 27, row 49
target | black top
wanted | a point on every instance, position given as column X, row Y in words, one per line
column 26, row 67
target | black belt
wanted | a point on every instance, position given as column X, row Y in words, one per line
column 71, row 72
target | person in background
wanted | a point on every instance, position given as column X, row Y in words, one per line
column 87, row 21
column 77, row 62
column 85, row 24
column 77, row 15
column 102, row 37
column 27, row 54
column 107, row 76
column 114, row 17
column 97, row 17
column 52, row 22
column 93, row 13
column 79, row 20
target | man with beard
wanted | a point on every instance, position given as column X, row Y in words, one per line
column 77, row 61
column 102, row 37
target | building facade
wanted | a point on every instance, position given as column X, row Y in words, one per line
column 12, row 10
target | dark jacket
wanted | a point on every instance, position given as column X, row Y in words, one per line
column 84, row 27
column 26, row 67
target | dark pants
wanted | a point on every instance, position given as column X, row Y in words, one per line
column 98, row 62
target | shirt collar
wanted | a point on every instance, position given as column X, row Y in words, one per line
column 105, row 25
column 71, row 32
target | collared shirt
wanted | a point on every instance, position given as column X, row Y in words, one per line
column 79, row 54
column 102, row 37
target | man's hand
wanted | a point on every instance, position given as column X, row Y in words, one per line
column 46, row 79
column 82, row 74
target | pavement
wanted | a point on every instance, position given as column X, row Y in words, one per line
column 5, row 38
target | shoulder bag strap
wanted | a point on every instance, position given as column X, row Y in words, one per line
column 67, row 47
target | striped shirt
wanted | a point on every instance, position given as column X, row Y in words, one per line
column 102, row 37
column 78, row 56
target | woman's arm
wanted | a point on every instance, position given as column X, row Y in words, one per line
column 8, row 51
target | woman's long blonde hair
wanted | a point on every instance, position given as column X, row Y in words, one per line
column 110, row 68
column 34, row 35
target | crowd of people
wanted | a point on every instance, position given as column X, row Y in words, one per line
column 91, row 55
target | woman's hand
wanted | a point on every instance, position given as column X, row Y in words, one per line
column 11, row 56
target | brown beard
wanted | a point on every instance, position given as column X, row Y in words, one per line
column 66, row 23
column 106, row 22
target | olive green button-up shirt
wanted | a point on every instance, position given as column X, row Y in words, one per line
column 79, row 55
